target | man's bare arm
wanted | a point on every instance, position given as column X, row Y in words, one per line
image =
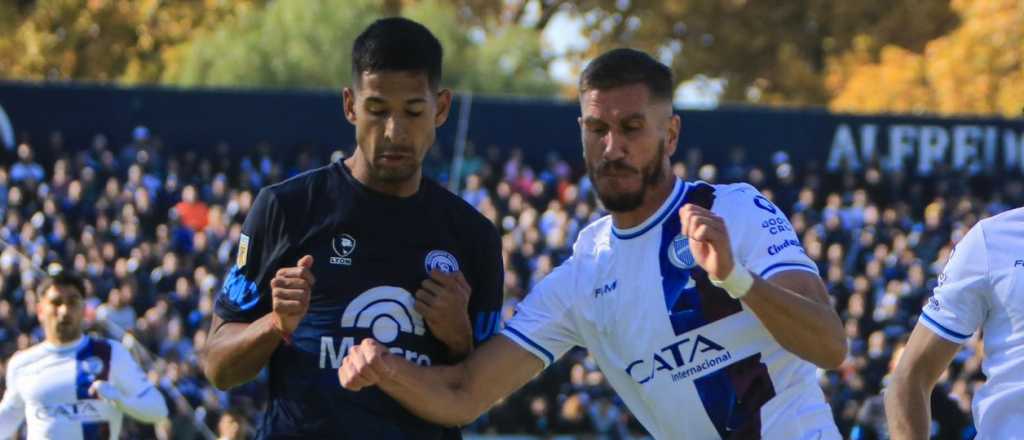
column 908, row 398
column 235, row 352
column 449, row 395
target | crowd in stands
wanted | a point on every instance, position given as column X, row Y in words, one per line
column 155, row 230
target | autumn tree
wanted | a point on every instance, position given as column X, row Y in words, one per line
column 103, row 40
column 306, row 45
column 951, row 56
column 978, row 68
column 767, row 52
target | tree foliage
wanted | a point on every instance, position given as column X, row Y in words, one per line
column 978, row 68
column 129, row 41
column 306, row 44
column 767, row 52
column 949, row 56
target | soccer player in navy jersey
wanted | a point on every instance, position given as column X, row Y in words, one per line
column 365, row 247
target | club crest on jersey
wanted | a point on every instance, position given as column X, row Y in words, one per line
column 92, row 365
column 343, row 246
column 679, row 253
column 443, row 261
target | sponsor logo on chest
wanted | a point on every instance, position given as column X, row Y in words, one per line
column 83, row 410
column 686, row 358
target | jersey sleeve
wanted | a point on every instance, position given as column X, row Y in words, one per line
column 12, row 406
column 139, row 398
column 960, row 302
column 126, row 374
column 487, row 290
column 542, row 323
column 761, row 235
column 244, row 296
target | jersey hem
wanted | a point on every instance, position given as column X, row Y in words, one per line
column 534, row 348
column 782, row 267
column 941, row 330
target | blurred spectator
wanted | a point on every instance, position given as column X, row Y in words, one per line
column 25, row 170
column 232, row 426
column 193, row 213
column 116, row 311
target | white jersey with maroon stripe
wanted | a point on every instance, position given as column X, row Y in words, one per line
column 688, row 360
column 48, row 387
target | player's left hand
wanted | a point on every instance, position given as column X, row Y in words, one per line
column 443, row 300
column 364, row 366
column 104, row 390
column 709, row 240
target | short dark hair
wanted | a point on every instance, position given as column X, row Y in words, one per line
column 397, row 44
column 623, row 67
column 62, row 278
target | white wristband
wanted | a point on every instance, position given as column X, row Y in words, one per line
column 737, row 284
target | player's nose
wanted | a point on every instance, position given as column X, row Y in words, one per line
column 395, row 130
column 614, row 145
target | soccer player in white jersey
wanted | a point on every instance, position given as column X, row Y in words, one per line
column 697, row 301
column 73, row 386
column 982, row 287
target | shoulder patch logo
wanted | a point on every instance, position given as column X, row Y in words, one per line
column 343, row 246
column 443, row 261
column 243, row 251
column 933, row 305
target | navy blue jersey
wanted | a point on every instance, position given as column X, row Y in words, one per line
column 371, row 253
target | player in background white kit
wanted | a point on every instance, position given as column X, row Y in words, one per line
column 73, row 386
column 697, row 301
column 982, row 287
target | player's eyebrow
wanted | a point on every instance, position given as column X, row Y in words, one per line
column 593, row 120
column 633, row 117
column 380, row 100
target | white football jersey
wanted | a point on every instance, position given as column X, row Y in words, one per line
column 48, row 387
column 688, row 360
column 982, row 287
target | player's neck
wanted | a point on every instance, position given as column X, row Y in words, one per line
column 57, row 343
column 360, row 169
column 653, row 200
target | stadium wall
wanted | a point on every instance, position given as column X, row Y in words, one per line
column 201, row 118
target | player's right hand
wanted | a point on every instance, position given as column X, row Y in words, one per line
column 364, row 366
column 290, row 290
column 102, row 389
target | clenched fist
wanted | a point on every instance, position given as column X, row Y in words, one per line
column 290, row 290
column 365, row 365
column 443, row 300
column 709, row 240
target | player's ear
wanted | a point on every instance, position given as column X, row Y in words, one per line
column 672, row 133
column 444, row 104
column 348, row 95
